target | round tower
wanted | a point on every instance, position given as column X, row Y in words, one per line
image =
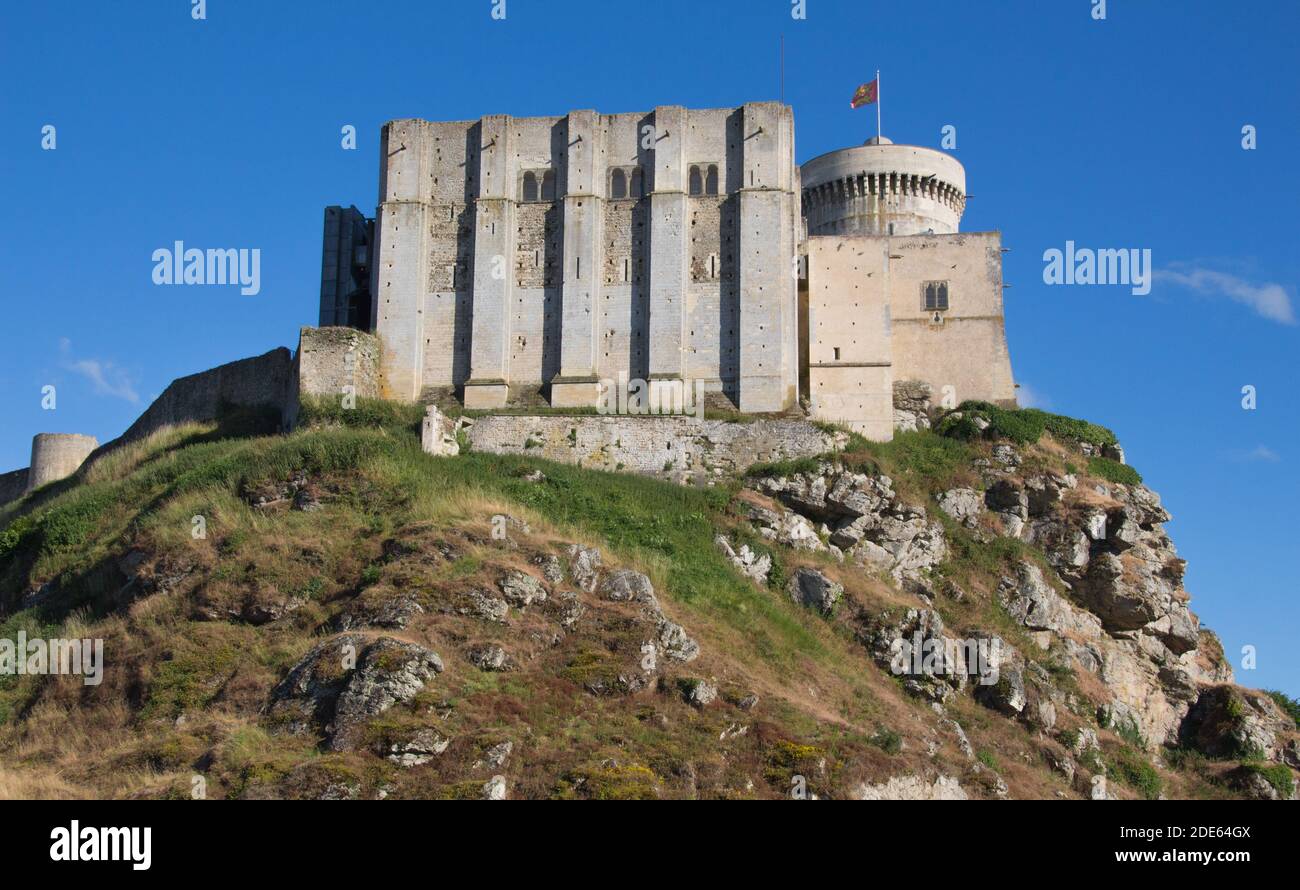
column 57, row 456
column 880, row 188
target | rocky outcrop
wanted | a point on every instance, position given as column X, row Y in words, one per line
column 810, row 588
column 1227, row 721
column 860, row 516
column 347, row 680
column 912, row 788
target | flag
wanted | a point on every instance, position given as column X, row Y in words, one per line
column 865, row 95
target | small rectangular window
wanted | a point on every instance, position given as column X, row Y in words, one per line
column 934, row 296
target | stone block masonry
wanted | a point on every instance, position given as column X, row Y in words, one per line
column 57, row 456
column 336, row 361
column 680, row 448
column 547, row 253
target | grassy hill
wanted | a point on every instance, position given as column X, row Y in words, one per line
column 212, row 560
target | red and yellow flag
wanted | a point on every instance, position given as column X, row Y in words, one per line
column 865, row 95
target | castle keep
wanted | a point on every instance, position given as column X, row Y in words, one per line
column 516, row 254
column 511, row 257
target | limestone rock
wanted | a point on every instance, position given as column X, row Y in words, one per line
column 389, row 672
column 489, row 658
column 674, row 643
column 495, row 788
column 912, row 788
column 809, row 587
column 912, row 405
column 521, row 589
column 486, row 606
column 584, row 566
column 417, row 750
column 752, row 565
column 323, row 691
column 1228, row 721
column 963, row 505
column 699, row 693
column 628, row 586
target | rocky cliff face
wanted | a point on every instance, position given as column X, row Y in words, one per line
column 1092, row 582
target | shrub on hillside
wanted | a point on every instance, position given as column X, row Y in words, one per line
column 1114, row 471
column 1024, row 426
column 1286, row 703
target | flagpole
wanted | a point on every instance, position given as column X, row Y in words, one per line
column 877, row 106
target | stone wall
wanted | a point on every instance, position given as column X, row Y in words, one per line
column 13, row 485
column 681, row 448
column 264, row 380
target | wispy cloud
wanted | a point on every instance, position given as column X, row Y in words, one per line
column 1028, row 397
column 1258, row 454
column 1266, row 298
column 106, row 377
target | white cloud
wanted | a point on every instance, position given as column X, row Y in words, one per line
column 106, row 377
column 1264, row 453
column 1267, row 299
column 1028, row 397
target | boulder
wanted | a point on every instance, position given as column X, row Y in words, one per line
column 584, row 567
column 521, row 589
column 963, row 505
column 810, row 588
column 489, row 658
column 628, row 586
column 389, row 672
column 1228, row 721
column 421, row 747
column 674, row 643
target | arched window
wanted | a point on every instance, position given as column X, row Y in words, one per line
column 530, row 186
column 618, row 184
column 697, row 183
column 711, row 181
column 635, row 191
column 548, row 185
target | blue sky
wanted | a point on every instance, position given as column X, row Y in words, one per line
column 1118, row 133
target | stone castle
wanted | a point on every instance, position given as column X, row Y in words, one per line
column 516, row 260
column 517, row 257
